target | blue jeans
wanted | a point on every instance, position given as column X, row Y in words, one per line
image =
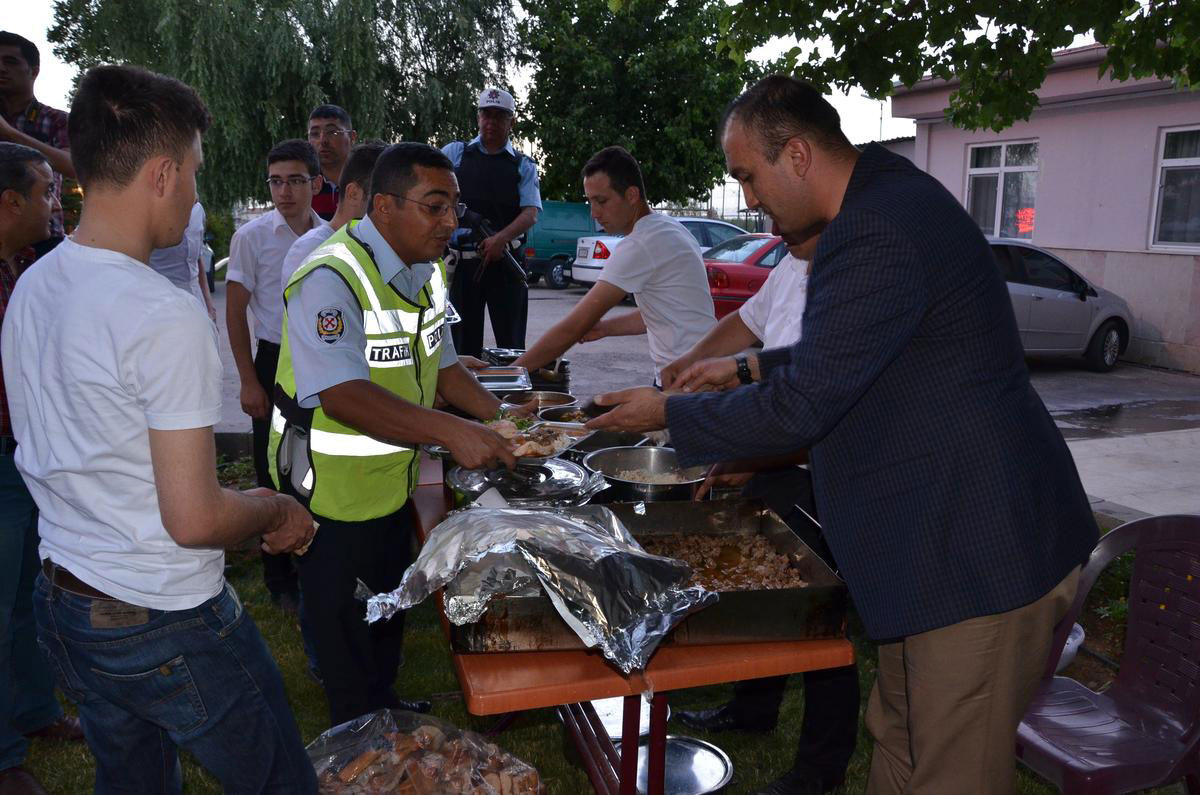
column 199, row 679
column 27, row 700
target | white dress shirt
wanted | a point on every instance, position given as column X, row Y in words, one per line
column 256, row 255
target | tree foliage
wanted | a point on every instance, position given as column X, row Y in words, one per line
column 647, row 78
column 999, row 51
column 404, row 69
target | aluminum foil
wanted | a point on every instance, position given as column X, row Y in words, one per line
column 610, row 592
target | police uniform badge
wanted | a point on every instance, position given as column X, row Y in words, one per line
column 330, row 326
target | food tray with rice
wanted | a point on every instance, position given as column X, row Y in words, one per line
column 772, row 586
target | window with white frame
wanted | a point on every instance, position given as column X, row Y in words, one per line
column 1002, row 187
column 1177, row 212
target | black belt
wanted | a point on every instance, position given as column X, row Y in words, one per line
column 8, row 445
column 64, row 580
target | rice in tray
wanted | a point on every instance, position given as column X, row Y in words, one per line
column 653, row 478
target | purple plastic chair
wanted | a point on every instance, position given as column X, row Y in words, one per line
column 1144, row 731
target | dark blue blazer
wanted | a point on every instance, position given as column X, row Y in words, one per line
column 945, row 489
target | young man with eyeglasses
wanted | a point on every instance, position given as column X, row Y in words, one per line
column 332, row 135
column 256, row 255
column 365, row 350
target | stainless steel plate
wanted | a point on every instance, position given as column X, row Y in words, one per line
column 612, row 714
column 551, row 479
column 693, row 767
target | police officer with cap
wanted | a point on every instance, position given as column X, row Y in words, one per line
column 501, row 185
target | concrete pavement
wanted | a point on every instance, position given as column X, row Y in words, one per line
column 1134, row 432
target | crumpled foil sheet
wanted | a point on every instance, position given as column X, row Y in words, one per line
column 610, row 592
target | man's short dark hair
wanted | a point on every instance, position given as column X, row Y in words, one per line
column 15, row 171
column 361, row 163
column 395, row 170
column 331, row 112
column 778, row 108
column 295, row 149
column 29, row 50
column 124, row 115
column 621, row 167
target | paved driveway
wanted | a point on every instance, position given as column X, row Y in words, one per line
column 1134, row 432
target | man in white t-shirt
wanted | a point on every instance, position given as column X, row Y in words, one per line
column 773, row 316
column 256, row 253
column 181, row 263
column 354, row 186
column 658, row 262
column 114, row 439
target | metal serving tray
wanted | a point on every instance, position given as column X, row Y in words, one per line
column 504, row 379
column 818, row 610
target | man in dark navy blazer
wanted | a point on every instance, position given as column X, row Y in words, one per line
column 948, row 496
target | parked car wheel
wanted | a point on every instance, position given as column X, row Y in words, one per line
column 1104, row 348
column 556, row 277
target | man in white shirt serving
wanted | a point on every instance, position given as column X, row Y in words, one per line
column 114, row 439
column 658, row 262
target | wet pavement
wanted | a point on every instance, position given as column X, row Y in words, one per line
column 1128, row 419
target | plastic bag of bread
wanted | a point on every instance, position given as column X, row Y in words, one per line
column 413, row 754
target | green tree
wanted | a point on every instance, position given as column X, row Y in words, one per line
column 404, row 69
column 647, row 78
column 998, row 50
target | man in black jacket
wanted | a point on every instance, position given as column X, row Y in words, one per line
column 948, row 496
column 501, row 184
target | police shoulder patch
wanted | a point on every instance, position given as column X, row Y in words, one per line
column 330, row 326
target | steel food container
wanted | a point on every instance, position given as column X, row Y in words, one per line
column 543, row 397
column 562, row 413
column 816, row 610
column 617, row 461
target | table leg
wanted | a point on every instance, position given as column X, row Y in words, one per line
column 595, row 750
column 657, row 763
column 630, row 737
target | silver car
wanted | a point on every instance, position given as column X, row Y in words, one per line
column 1058, row 311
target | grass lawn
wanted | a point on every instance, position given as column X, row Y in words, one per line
column 537, row 736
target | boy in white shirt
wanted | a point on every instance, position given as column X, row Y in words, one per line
column 114, row 439
column 256, row 253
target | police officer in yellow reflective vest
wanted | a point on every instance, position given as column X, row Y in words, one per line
column 365, row 349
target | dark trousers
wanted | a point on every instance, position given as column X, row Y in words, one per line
column 278, row 573
column 829, row 731
column 27, row 700
column 359, row 661
column 501, row 292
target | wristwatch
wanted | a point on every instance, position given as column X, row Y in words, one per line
column 743, row 370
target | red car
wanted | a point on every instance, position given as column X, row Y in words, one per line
column 738, row 267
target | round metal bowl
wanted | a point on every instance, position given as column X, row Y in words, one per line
column 544, row 398
column 693, row 767
column 570, row 413
column 655, row 460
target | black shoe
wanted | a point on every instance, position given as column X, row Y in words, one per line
column 414, row 706
column 795, row 782
column 288, row 602
column 723, row 719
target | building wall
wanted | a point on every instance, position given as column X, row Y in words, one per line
column 1096, row 193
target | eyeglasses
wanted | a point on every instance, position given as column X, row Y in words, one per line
column 329, row 132
column 296, row 182
column 436, row 210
